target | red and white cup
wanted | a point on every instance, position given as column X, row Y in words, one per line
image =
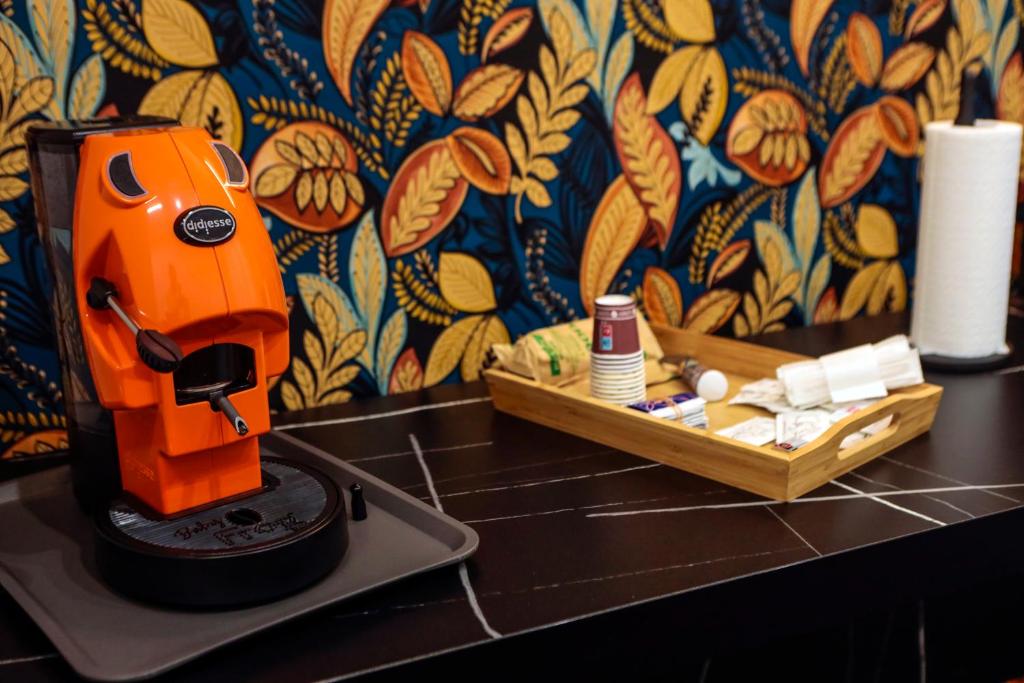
column 615, row 328
column 617, row 370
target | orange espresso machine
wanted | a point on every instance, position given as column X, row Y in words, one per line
column 171, row 318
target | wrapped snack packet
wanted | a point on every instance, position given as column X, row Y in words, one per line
column 559, row 354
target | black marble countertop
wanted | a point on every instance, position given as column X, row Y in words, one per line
column 591, row 559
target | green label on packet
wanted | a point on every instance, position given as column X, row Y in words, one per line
column 556, row 369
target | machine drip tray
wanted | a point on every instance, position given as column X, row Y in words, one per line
column 47, row 564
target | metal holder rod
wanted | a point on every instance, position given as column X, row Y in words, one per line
column 220, row 401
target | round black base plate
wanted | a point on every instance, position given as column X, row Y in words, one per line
column 951, row 365
column 249, row 550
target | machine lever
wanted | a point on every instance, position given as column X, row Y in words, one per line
column 220, row 402
column 158, row 351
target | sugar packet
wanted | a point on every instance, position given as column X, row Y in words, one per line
column 799, row 427
column 757, row 431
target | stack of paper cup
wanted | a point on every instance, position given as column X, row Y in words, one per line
column 616, row 358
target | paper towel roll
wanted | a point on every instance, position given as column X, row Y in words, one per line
column 965, row 240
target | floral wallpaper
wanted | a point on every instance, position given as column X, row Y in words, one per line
column 440, row 175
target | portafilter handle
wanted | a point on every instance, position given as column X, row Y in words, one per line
column 158, row 351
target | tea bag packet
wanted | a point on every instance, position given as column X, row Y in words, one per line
column 757, row 431
column 799, row 427
column 764, row 393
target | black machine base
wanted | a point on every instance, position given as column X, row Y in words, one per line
column 249, row 550
column 951, row 365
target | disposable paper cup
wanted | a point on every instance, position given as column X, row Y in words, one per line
column 615, row 329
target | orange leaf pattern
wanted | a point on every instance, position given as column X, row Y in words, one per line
column 486, row 90
column 427, row 72
column 648, row 158
column 615, row 229
column 852, row 158
column 663, row 302
column 482, row 159
column 508, row 30
column 424, row 197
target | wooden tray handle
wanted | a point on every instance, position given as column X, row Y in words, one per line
column 894, row 405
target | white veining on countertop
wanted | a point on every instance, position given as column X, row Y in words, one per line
column 463, row 571
column 812, row 499
column 943, row 477
column 888, row 503
column 544, row 482
column 438, row 449
column 378, row 416
column 25, row 660
column 897, row 488
column 796, row 533
column 543, row 513
column 514, row 468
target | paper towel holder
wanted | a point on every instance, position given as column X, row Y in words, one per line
column 951, row 364
column 962, row 366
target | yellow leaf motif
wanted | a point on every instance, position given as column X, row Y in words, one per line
column 491, row 331
column 705, row 95
column 889, row 292
column 691, row 20
column 712, row 310
column 486, row 90
column 876, row 232
column 805, row 16
column 964, row 43
column 346, row 24
column 747, row 140
column 274, row 180
column 320, row 192
column 614, row 231
column 198, row 98
column 465, row 283
column 32, row 97
column 52, row 22
column 290, row 396
column 326, row 307
column 543, row 122
column 367, row 268
column 86, row 88
column 859, row 289
column 11, row 188
column 392, row 336
column 448, row 349
column 806, row 221
column 177, row 31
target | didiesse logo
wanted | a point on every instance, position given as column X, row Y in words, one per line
column 205, row 226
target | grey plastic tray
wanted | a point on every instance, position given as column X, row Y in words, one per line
column 46, row 565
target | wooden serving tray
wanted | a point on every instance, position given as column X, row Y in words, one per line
column 764, row 470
